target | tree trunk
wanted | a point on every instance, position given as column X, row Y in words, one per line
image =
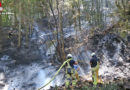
column 19, row 33
column 79, row 15
column 61, row 37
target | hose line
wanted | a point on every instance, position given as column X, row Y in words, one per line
column 55, row 74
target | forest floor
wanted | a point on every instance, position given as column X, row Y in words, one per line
column 87, row 85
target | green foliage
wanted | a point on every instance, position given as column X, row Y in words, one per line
column 123, row 34
column 110, row 87
column 123, row 12
column 73, row 11
column 104, row 87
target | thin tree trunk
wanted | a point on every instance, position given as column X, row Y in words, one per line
column 79, row 15
column 19, row 33
column 50, row 5
column 61, row 37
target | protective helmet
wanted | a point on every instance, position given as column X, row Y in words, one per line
column 69, row 56
column 93, row 54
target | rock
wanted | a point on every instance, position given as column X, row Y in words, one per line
column 105, row 72
column 109, row 78
column 117, row 79
column 127, row 87
column 128, row 79
column 2, row 76
column 120, row 85
column 2, row 85
column 128, row 38
column 1, row 70
column 119, row 64
column 31, row 84
column 128, row 61
column 26, row 56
